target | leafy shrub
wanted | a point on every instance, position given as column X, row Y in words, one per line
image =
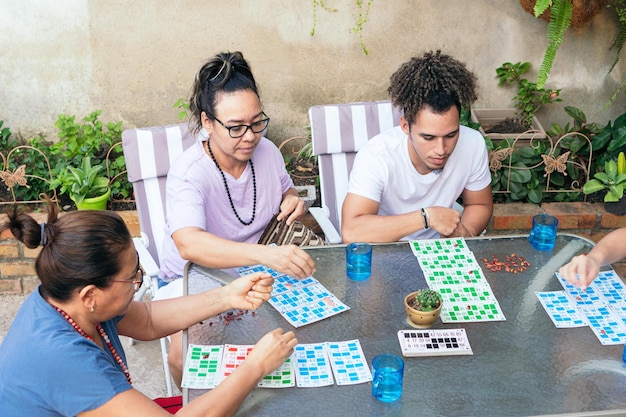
column 91, row 138
column 7, row 141
column 33, row 154
column 576, row 151
column 47, row 162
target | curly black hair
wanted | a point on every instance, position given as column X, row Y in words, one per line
column 434, row 80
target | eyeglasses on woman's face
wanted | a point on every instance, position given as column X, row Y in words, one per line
column 136, row 279
column 238, row 131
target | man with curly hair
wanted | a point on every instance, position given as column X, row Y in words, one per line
column 405, row 181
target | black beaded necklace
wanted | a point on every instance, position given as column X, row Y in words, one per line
column 230, row 200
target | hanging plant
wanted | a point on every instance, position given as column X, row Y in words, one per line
column 560, row 15
column 362, row 17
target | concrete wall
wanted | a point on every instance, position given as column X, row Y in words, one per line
column 133, row 59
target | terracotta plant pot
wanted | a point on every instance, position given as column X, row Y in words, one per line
column 582, row 10
column 417, row 318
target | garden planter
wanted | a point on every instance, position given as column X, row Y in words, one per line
column 488, row 118
column 94, row 203
column 582, row 10
column 618, row 208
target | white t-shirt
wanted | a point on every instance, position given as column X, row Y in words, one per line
column 383, row 172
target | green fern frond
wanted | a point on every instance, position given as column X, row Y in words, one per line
column 560, row 19
column 621, row 89
column 541, row 6
column 618, row 43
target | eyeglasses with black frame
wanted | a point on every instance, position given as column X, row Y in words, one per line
column 136, row 279
column 238, row 131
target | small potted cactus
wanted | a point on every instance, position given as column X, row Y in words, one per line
column 422, row 307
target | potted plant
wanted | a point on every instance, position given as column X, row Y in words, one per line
column 520, row 122
column 613, row 180
column 86, row 186
column 423, row 307
column 302, row 166
column 90, row 137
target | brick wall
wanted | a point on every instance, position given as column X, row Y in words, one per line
column 17, row 274
column 17, row 262
column 589, row 220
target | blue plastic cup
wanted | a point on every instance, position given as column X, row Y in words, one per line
column 543, row 234
column 387, row 374
column 359, row 261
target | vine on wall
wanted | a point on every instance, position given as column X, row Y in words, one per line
column 362, row 17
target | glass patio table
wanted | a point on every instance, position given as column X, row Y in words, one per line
column 519, row 367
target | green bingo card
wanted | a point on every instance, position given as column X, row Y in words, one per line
column 452, row 269
column 207, row 366
column 202, row 366
column 438, row 246
column 469, row 303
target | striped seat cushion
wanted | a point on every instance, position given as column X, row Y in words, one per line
column 149, row 153
column 338, row 131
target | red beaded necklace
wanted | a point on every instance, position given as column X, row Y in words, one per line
column 105, row 337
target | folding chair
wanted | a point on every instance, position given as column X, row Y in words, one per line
column 149, row 152
column 338, row 131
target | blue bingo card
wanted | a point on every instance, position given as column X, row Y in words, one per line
column 299, row 301
column 307, row 305
column 312, row 365
column 609, row 285
column 561, row 310
column 348, row 362
column 607, row 326
column 286, row 283
column 282, row 282
column 246, row 270
column 602, row 306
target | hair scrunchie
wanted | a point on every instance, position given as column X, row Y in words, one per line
column 42, row 239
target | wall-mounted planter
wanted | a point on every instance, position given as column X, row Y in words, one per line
column 488, row 118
